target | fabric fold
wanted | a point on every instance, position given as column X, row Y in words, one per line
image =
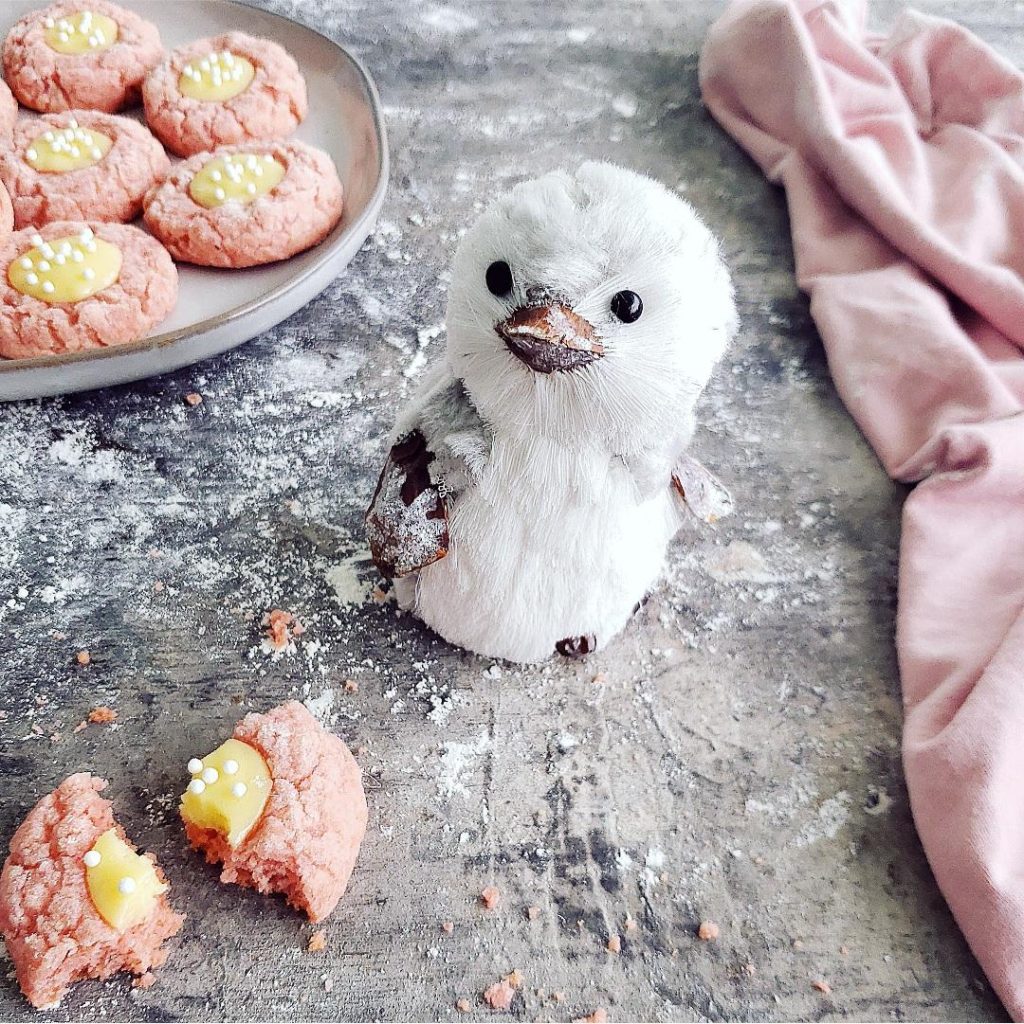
column 902, row 157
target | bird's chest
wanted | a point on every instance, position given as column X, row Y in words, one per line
column 562, row 511
column 545, row 545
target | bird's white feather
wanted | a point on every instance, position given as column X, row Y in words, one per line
column 560, row 501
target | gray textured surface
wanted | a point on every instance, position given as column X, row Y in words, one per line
column 736, row 759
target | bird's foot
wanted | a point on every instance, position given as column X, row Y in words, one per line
column 576, row 646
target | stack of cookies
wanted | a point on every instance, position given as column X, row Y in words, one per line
column 76, row 274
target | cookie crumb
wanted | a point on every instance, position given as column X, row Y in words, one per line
column 351, row 686
column 533, row 913
column 630, row 923
column 448, row 927
column 708, row 931
column 490, row 897
column 462, row 1006
column 843, row 951
column 499, row 995
column 280, row 627
column 798, row 944
column 193, row 398
column 83, row 657
column 102, row 716
column 599, row 1016
column 328, row 984
column 822, row 986
column 516, row 978
column 614, row 944
column 317, row 942
column 559, row 997
column 144, row 981
column 599, row 678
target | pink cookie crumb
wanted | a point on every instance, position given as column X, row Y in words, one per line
column 499, row 996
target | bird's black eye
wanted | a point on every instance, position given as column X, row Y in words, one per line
column 627, row 306
column 499, row 278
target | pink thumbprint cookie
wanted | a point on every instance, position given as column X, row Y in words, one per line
column 80, row 54
column 224, row 90
column 80, row 165
column 70, row 286
column 241, row 206
column 76, row 899
column 281, row 807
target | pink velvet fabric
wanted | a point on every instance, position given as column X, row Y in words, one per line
column 902, row 158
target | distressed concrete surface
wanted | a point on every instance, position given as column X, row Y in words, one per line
column 734, row 757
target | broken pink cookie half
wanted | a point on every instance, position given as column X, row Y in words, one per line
column 281, row 807
column 76, row 900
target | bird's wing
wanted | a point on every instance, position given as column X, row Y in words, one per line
column 440, row 446
column 699, row 491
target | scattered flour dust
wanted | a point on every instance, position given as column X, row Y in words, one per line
column 457, row 761
column 654, row 865
column 833, row 814
column 343, row 579
column 625, row 105
column 321, row 706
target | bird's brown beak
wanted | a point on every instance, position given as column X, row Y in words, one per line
column 549, row 338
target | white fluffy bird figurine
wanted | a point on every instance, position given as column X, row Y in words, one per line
column 538, row 474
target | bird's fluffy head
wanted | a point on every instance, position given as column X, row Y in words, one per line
column 573, row 242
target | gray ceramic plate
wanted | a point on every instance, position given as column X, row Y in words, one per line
column 219, row 309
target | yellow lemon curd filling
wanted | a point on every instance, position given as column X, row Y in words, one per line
column 66, row 269
column 67, row 149
column 238, row 177
column 123, row 885
column 215, row 77
column 81, row 32
column 228, row 791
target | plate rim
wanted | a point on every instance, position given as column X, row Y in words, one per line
column 224, row 319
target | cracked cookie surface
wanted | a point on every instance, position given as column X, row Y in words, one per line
column 271, row 105
column 110, row 188
column 143, row 294
column 106, row 79
column 55, row 935
column 307, row 839
column 297, row 213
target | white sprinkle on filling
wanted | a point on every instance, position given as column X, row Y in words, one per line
column 230, row 767
column 210, row 776
column 195, row 766
column 126, row 886
column 238, row 789
column 197, row 786
column 91, row 859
